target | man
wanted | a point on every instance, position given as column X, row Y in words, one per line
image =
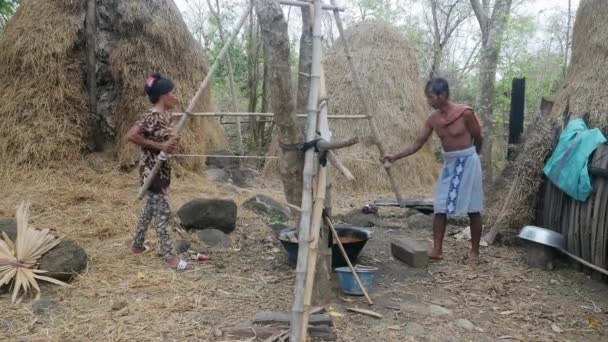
column 153, row 133
column 459, row 189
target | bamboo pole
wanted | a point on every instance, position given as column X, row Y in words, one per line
column 364, row 102
column 308, row 3
column 350, row 265
column 162, row 157
column 267, row 115
column 299, row 320
column 333, row 159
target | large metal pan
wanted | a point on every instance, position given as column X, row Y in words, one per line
column 553, row 239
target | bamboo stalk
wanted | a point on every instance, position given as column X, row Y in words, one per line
column 335, row 145
column 350, row 265
column 162, row 157
column 305, row 3
column 268, row 115
column 333, row 159
column 364, row 102
column 299, row 320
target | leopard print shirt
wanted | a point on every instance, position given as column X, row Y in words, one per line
column 156, row 126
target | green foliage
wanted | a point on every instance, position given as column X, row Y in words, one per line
column 7, row 7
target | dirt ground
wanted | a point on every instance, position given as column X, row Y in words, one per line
column 126, row 298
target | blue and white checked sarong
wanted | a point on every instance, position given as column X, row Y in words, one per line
column 459, row 190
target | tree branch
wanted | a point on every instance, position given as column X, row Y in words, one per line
column 482, row 16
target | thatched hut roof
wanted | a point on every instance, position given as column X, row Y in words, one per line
column 46, row 117
column 387, row 66
column 581, row 92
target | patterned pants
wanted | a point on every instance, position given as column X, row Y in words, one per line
column 157, row 210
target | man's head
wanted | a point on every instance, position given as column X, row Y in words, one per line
column 160, row 91
column 437, row 92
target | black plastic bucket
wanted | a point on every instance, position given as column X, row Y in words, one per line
column 356, row 239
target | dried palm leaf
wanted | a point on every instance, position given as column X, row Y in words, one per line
column 18, row 259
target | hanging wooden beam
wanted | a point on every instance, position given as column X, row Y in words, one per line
column 162, row 157
column 304, row 3
column 333, row 159
column 299, row 319
column 364, row 101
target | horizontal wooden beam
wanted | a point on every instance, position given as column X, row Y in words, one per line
column 305, row 3
column 270, row 115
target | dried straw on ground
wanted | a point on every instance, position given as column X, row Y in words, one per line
column 386, row 63
column 44, row 102
column 581, row 92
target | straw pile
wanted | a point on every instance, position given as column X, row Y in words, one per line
column 44, row 100
column 387, row 66
column 580, row 93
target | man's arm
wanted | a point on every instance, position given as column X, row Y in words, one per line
column 423, row 136
column 474, row 128
column 136, row 136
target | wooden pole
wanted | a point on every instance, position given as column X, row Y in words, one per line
column 308, row 3
column 268, row 115
column 350, row 265
column 364, row 101
column 299, row 320
column 162, row 157
column 333, row 159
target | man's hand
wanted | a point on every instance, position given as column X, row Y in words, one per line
column 388, row 158
column 169, row 146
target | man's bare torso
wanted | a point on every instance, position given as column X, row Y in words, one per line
column 454, row 136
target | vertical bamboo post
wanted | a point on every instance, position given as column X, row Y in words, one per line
column 162, row 157
column 364, row 101
column 299, row 320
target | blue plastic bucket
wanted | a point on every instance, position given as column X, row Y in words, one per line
column 347, row 281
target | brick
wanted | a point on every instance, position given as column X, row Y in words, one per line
column 411, row 252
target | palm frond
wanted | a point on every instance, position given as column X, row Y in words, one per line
column 18, row 259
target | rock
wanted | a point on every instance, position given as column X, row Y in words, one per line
column 202, row 213
column 420, row 221
column 64, row 261
column 438, row 311
column 278, row 227
column 218, row 175
column 410, row 251
column 540, row 256
column 414, row 329
column 222, row 162
column 264, row 205
column 9, row 226
column 44, row 308
column 357, row 218
column 182, row 246
column 214, row 238
column 465, row 324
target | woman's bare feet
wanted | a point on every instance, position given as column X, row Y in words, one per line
column 435, row 255
column 473, row 258
column 136, row 250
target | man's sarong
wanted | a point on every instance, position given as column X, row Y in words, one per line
column 459, row 190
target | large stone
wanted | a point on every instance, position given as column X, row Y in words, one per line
column 410, row 251
column 357, row 218
column 420, row 221
column 9, row 226
column 45, row 308
column 414, row 329
column 222, row 162
column 64, row 261
column 202, row 213
column 214, row 238
column 218, row 175
column 266, row 206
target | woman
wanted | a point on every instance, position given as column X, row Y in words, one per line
column 153, row 133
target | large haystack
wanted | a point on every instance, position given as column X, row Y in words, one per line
column 46, row 113
column 387, row 66
column 581, row 92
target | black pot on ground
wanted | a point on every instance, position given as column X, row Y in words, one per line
column 353, row 239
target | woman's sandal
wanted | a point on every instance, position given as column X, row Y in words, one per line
column 146, row 250
column 181, row 266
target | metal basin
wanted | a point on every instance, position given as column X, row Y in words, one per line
column 543, row 236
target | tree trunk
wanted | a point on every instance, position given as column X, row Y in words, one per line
column 276, row 42
column 305, row 60
column 485, row 102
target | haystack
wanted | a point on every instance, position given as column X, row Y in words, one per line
column 47, row 114
column 387, row 65
column 581, row 92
